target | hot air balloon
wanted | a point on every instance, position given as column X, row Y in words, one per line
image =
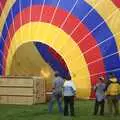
column 77, row 38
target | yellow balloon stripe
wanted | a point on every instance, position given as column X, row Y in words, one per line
column 5, row 12
column 105, row 9
column 81, row 79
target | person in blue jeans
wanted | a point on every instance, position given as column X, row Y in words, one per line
column 56, row 93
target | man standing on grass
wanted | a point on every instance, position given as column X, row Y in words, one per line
column 100, row 96
column 113, row 91
column 69, row 91
column 56, row 93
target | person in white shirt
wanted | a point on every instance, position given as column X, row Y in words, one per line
column 69, row 91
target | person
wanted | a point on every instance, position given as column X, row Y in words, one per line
column 99, row 89
column 69, row 91
column 56, row 93
column 112, row 92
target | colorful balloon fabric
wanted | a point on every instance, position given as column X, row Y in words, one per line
column 77, row 38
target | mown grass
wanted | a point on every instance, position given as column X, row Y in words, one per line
column 83, row 110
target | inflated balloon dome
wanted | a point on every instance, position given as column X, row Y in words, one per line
column 77, row 38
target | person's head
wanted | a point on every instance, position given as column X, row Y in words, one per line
column 57, row 74
column 101, row 79
column 114, row 80
column 68, row 78
column 111, row 75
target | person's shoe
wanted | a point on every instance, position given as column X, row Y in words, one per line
column 102, row 114
column 94, row 113
column 72, row 114
column 116, row 114
column 65, row 114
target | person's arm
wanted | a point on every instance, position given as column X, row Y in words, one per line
column 95, row 87
column 54, row 84
column 119, row 89
column 73, row 86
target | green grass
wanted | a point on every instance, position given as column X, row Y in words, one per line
column 83, row 110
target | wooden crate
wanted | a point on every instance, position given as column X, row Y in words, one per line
column 22, row 90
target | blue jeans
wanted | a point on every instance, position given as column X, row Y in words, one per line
column 59, row 102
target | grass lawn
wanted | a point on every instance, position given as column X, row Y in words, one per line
column 83, row 110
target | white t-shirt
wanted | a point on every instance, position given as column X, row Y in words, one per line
column 69, row 88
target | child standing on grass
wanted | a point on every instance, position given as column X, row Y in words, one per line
column 100, row 96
